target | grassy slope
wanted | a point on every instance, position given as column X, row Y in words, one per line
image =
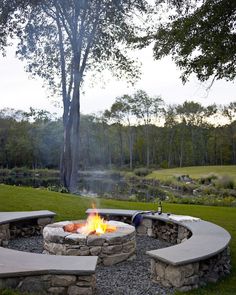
column 194, row 172
column 71, row 207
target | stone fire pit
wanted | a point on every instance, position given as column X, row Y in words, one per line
column 111, row 247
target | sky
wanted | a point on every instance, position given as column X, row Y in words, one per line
column 19, row 91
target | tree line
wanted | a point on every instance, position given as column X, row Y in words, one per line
column 138, row 130
column 61, row 41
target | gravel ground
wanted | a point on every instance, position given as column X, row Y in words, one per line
column 30, row 244
column 126, row 278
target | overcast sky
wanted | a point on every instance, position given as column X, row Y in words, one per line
column 159, row 78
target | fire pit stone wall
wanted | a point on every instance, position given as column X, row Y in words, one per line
column 111, row 248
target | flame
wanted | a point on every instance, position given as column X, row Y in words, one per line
column 94, row 225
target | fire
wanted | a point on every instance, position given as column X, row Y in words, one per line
column 94, row 225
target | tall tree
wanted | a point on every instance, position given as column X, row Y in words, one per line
column 120, row 114
column 115, row 115
column 192, row 115
column 61, row 40
column 126, row 103
column 229, row 111
column 170, row 115
column 146, row 109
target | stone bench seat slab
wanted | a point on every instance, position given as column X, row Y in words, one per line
column 17, row 263
column 199, row 253
column 199, row 247
column 207, row 240
column 6, row 217
column 129, row 213
column 113, row 212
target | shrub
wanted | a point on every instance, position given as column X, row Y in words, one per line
column 45, row 172
column 155, row 191
column 170, row 196
column 20, row 171
column 133, row 198
column 4, row 172
column 164, row 164
column 142, row 171
column 185, row 187
column 209, row 190
column 210, row 200
column 208, row 179
column 183, row 178
column 225, row 182
column 59, row 188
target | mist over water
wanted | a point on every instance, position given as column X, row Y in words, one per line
column 91, row 183
column 99, row 183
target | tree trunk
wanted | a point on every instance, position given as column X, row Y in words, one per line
column 88, row 162
column 147, row 146
column 181, row 149
column 215, row 148
column 233, row 145
column 70, row 156
column 130, row 148
column 170, row 146
column 192, row 146
column 66, row 156
column 121, row 146
column 75, row 149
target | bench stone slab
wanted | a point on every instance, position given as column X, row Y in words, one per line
column 6, row 217
column 200, row 253
column 207, row 240
column 37, row 273
column 18, row 263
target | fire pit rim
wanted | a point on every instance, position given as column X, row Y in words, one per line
column 121, row 226
column 55, row 231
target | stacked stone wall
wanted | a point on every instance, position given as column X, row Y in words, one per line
column 192, row 275
column 166, row 231
column 4, row 234
column 181, row 277
column 51, row 284
column 25, row 228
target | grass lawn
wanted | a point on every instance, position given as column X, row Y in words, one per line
column 70, row 207
column 194, row 172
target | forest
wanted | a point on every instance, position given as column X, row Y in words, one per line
column 137, row 131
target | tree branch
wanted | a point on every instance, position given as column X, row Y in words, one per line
column 66, row 101
column 64, row 18
column 90, row 41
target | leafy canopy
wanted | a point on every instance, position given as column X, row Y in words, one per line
column 92, row 35
column 201, row 38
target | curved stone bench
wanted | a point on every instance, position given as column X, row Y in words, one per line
column 44, row 215
column 200, row 253
column 38, row 273
column 15, row 224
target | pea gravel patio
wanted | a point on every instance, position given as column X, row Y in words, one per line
column 126, row 278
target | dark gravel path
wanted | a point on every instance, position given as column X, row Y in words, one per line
column 126, row 278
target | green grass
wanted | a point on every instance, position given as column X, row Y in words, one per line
column 71, row 207
column 194, row 172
